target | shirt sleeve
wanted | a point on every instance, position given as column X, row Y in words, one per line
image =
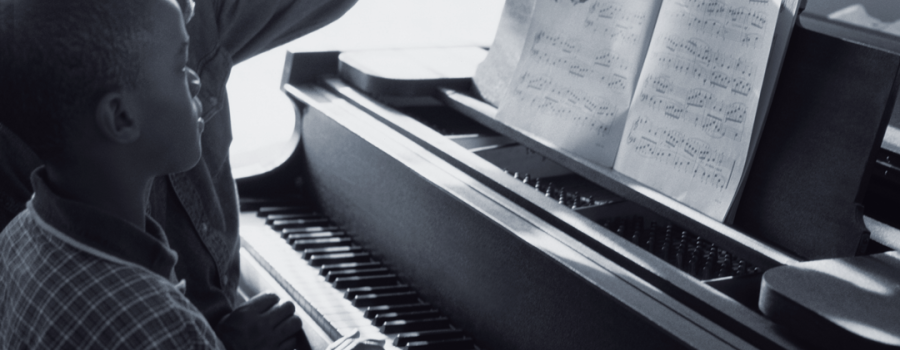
column 248, row 27
column 147, row 312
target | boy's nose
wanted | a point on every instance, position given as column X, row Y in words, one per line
column 193, row 82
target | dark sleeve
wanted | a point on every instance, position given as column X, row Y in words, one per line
column 17, row 162
column 247, row 28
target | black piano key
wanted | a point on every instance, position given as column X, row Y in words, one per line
column 300, row 244
column 403, row 338
column 391, row 305
column 309, row 252
column 463, row 343
column 282, row 224
column 310, row 229
column 253, row 204
column 272, row 217
column 411, row 315
column 327, row 268
column 403, row 326
column 361, row 281
column 325, row 234
column 373, row 311
column 351, row 293
column 333, row 274
column 363, row 300
column 337, row 258
column 268, row 210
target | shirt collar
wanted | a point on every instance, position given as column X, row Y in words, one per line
column 99, row 230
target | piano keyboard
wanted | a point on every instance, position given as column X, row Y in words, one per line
column 339, row 283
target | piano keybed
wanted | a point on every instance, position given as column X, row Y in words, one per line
column 341, row 284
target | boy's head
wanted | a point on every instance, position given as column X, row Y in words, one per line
column 100, row 75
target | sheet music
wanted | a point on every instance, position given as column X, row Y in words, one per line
column 693, row 112
column 493, row 74
column 577, row 73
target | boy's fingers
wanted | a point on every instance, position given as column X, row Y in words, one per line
column 278, row 314
column 288, row 329
column 288, row 344
column 260, row 303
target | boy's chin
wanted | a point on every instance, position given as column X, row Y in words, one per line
column 188, row 160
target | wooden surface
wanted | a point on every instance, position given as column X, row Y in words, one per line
column 699, row 296
column 410, row 72
column 502, row 274
column 849, row 303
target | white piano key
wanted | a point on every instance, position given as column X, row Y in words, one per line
column 304, row 281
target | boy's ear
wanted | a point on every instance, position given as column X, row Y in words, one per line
column 115, row 121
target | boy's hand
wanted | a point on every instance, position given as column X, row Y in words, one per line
column 260, row 324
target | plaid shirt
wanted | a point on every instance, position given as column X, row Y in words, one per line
column 104, row 284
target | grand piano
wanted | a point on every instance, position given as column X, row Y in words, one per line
column 418, row 218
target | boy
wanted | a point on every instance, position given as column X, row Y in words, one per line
column 198, row 208
column 100, row 91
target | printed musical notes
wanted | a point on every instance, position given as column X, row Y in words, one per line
column 566, row 104
column 578, row 71
column 671, row 149
column 693, row 112
column 716, row 120
column 727, row 15
column 666, row 92
column 692, row 157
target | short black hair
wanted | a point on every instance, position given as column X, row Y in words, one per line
column 59, row 57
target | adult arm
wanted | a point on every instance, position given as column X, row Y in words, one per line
column 248, row 28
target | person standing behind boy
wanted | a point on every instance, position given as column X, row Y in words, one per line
column 198, row 208
column 103, row 95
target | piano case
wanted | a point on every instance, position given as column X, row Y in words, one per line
column 801, row 201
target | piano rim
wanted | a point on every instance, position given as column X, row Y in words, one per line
column 748, row 321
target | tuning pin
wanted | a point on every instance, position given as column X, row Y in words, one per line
column 636, row 236
column 516, row 175
column 576, row 202
column 617, row 221
column 562, row 195
column 549, row 190
column 527, row 178
column 726, row 268
column 741, row 269
column 665, row 252
column 709, row 265
column 506, row 171
column 694, row 265
column 650, row 245
column 537, row 184
column 681, row 251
